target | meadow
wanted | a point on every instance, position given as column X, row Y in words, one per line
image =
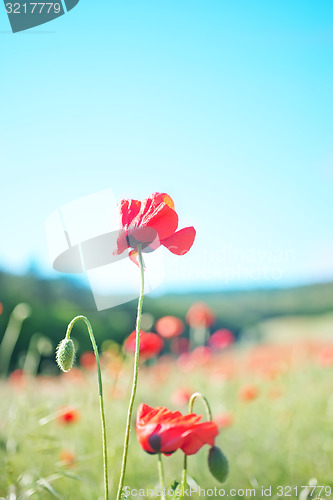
column 269, row 385
column 273, row 404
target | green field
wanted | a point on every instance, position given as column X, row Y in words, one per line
column 281, row 437
column 271, row 393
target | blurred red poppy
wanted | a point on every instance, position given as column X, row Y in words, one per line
column 67, row 457
column 152, row 222
column 201, row 355
column 181, row 396
column 169, row 326
column 1, row 307
column 179, row 345
column 68, row 416
column 221, row 339
column 199, row 315
column 248, row 392
column 325, row 356
column 160, row 430
column 224, row 419
column 150, row 344
column 18, row 378
column 88, row 360
column 185, row 362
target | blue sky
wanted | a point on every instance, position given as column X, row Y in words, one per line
column 225, row 105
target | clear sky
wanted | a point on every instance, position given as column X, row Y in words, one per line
column 225, row 105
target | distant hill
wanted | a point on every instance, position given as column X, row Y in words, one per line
column 55, row 302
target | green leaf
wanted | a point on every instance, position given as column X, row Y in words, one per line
column 70, row 475
column 45, row 484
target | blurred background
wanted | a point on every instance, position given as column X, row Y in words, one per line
column 226, row 106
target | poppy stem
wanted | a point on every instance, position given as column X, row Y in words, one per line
column 209, row 418
column 101, row 400
column 184, row 478
column 205, row 402
column 161, row 474
column 135, row 376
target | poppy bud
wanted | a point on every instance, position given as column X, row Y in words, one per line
column 65, row 354
column 218, row 464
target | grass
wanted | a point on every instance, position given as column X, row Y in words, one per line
column 281, row 437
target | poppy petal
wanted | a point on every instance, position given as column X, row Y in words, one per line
column 122, row 243
column 180, row 242
column 143, row 409
column 133, row 255
column 128, row 210
column 163, row 219
column 163, row 198
column 160, row 430
column 150, row 345
column 198, row 436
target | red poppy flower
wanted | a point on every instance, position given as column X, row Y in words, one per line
column 179, row 345
column 201, row 355
column 88, row 360
column 221, row 339
column 199, row 315
column 248, row 392
column 18, row 378
column 152, row 222
column 68, row 416
column 160, row 430
column 67, row 457
column 224, row 419
column 325, row 356
column 169, row 326
column 150, row 344
column 181, row 396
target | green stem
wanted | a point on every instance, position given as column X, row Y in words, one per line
column 11, row 335
column 205, row 402
column 184, row 477
column 209, row 417
column 161, row 475
column 32, row 357
column 101, row 400
column 135, row 377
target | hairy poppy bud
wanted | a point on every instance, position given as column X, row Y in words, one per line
column 218, row 464
column 65, row 354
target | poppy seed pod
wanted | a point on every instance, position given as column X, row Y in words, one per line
column 65, row 354
column 218, row 464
